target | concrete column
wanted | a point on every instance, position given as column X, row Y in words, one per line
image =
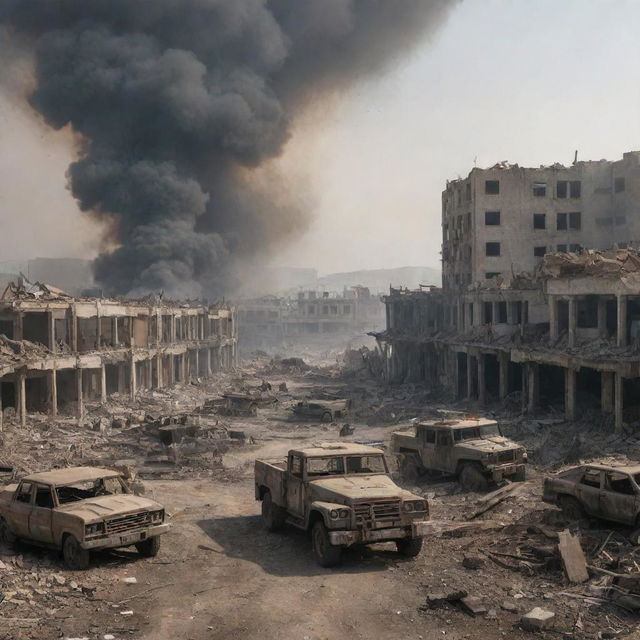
column 511, row 313
column 494, row 312
column 208, row 350
column 53, row 393
column 159, row 372
column 570, row 394
column 21, row 403
column 74, row 329
column 103, row 384
column 619, row 402
column 149, row 374
column 533, row 383
column 51, row 327
column 606, row 393
column 197, row 362
column 622, row 321
column 482, row 389
column 503, row 373
column 133, row 383
column 121, row 377
column 553, row 318
column 478, row 315
column 116, row 339
column 183, row 364
column 159, row 329
column 602, row 317
column 18, row 326
column 469, row 377
column 98, row 326
column 573, row 320
column 79, row 395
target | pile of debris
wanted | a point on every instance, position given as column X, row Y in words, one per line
column 615, row 263
column 25, row 290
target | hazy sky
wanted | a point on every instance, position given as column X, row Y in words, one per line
column 523, row 81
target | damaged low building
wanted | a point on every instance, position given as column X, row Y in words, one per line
column 56, row 350
column 563, row 330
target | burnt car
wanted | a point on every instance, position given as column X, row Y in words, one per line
column 609, row 492
column 322, row 410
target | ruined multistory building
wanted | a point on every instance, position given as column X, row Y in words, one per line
column 56, row 350
column 541, row 292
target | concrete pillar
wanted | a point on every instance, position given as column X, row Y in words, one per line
column 533, row 384
column 149, row 374
column 159, row 372
column 183, row 364
column 51, row 327
column 208, row 351
column 622, row 321
column 53, row 393
column 114, row 330
column 573, row 320
column 21, row 403
column 197, row 362
column 619, row 402
column 18, row 326
column 159, row 329
column 470, row 364
column 494, row 312
column 133, row 383
column 173, row 328
column 478, row 315
column 570, row 394
column 602, row 317
column 79, row 395
column 74, row 329
column 606, row 391
column 553, row 318
column 121, row 377
column 98, row 326
column 482, row 389
column 503, row 373
column 103, row 384
column 511, row 313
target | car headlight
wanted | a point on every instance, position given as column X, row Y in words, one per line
column 415, row 505
column 408, row 506
column 339, row 514
column 157, row 516
column 93, row 529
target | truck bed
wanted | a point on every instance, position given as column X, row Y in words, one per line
column 270, row 474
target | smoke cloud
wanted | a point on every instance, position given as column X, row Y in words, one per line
column 178, row 103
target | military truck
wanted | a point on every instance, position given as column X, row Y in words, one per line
column 473, row 450
column 342, row 493
column 80, row 509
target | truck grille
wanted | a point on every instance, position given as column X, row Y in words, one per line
column 379, row 510
column 506, row 456
column 128, row 523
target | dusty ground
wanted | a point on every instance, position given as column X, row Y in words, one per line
column 220, row 575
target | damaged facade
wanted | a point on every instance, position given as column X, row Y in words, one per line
column 525, row 307
column 57, row 351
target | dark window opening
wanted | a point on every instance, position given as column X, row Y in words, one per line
column 574, row 189
column 561, row 189
column 488, row 312
column 575, row 220
column 491, row 274
column 502, row 313
column 492, row 217
column 467, row 191
column 492, row 249
column 561, row 221
column 575, row 248
column 492, row 187
column 618, row 185
column 540, row 189
column 43, row 497
column 539, row 221
column 562, row 248
column 539, row 252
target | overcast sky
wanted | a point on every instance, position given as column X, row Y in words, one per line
column 529, row 82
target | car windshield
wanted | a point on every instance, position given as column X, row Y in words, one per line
column 329, row 466
column 365, row 464
column 473, row 433
column 90, row 489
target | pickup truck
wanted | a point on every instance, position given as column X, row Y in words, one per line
column 609, row 492
column 473, row 450
column 343, row 495
column 77, row 510
column 323, row 410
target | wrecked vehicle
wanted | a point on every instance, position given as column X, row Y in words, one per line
column 238, row 404
column 80, row 509
column 473, row 450
column 343, row 495
column 606, row 492
column 322, row 410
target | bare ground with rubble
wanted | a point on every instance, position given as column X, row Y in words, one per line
column 220, row 575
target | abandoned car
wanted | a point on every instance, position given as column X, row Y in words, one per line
column 606, row 492
column 473, row 450
column 322, row 410
column 343, row 495
column 80, row 509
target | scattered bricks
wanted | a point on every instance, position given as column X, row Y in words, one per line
column 473, row 606
column 438, row 599
column 537, row 619
column 472, row 562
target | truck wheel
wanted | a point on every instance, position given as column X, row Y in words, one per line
column 272, row 514
column 409, row 547
column 472, row 479
column 327, row 417
column 149, row 548
column 409, row 469
column 75, row 557
column 6, row 535
column 571, row 508
column 328, row 555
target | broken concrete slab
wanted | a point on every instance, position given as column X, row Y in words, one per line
column 473, row 605
column 573, row 559
column 537, row 619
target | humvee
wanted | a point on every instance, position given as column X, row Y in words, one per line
column 475, row 451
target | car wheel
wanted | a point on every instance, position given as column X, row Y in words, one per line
column 149, row 548
column 75, row 557
column 409, row 469
column 7, row 537
column 328, row 555
column 572, row 508
column 472, row 479
column 409, row 547
column 327, row 417
column 272, row 514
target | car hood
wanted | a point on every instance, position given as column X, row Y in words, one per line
column 103, row 507
column 359, row 487
column 488, row 445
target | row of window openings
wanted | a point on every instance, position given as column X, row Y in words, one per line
column 571, row 220
column 346, row 310
column 492, row 249
column 564, row 188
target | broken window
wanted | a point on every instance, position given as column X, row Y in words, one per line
column 429, row 436
column 488, row 312
column 492, row 187
column 574, row 189
column 591, row 478
column 502, row 312
column 325, row 466
column 539, row 221
column 492, row 249
column 575, row 220
column 539, row 252
column 24, row 494
column 619, row 482
column 540, row 189
column 574, row 248
column 467, row 191
column 618, row 185
column 491, row 274
column 561, row 221
column 334, row 309
column 44, row 498
column 561, row 189
column 492, row 218
column 562, row 248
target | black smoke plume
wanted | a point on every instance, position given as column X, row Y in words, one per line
column 177, row 101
